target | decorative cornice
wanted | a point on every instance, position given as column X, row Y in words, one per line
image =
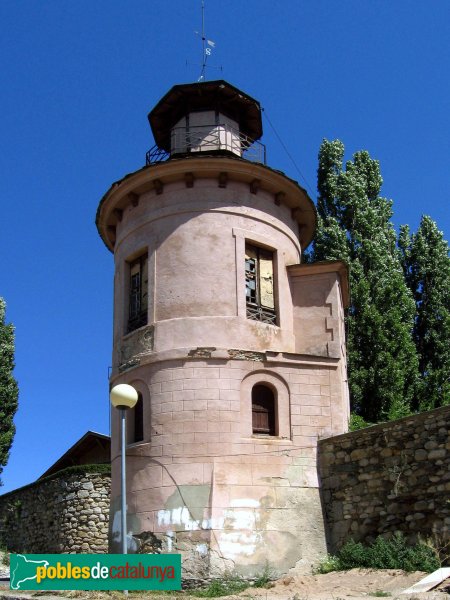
column 223, row 169
column 268, row 358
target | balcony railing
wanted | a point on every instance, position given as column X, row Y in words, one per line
column 209, row 138
column 156, row 155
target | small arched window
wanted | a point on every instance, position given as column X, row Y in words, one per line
column 138, row 421
column 263, row 410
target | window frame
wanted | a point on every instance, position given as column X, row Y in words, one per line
column 270, row 409
column 283, row 308
column 140, row 318
column 144, row 395
column 256, row 310
column 138, row 420
column 280, row 390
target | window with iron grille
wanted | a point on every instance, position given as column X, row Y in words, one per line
column 259, row 284
column 138, row 296
column 263, row 410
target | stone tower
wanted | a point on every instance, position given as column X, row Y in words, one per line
column 237, row 349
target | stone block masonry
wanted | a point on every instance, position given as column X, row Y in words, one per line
column 391, row 477
column 65, row 513
column 203, row 484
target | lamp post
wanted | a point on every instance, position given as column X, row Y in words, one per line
column 123, row 397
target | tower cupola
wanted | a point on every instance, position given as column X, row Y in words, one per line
column 209, row 116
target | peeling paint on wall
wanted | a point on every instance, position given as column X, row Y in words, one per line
column 246, row 355
column 239, row 519
column 245, row 502
column 202, row 549
column 238, row 543
column 200, row 352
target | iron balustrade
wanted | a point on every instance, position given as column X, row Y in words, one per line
column 155, row 155
column 209, row 138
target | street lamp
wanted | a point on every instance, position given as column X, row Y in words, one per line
column 123, row 396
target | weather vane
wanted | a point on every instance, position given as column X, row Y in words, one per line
column 207, row 47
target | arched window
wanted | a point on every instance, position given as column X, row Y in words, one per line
column 263, row 410
column 265, row 407
column 136, row 422
column 139, row 420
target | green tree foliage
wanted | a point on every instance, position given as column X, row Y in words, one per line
column 354, row 225
column 8, row 387
column 426, row 265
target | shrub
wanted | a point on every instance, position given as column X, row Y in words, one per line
column 4, row 556
column 356, row 422
column 352, row 555
column 392, row 553
column 263, row 578
column 230, row 584
column 328, row 564
column 233, row 584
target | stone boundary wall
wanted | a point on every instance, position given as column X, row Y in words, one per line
column 65, row 513
column 390, row 477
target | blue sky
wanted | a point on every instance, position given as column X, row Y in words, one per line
column 78, row 79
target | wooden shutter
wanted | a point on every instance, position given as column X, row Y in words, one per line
column 266, row 278
column 263, row 410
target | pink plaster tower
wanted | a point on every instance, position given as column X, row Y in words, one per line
column 236, row 348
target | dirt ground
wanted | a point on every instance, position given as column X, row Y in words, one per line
column 357, row 584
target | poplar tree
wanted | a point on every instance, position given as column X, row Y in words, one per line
column 354, row 225
column 426, row 265
column 8, row 387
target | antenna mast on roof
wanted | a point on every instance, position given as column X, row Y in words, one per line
column 207, row 45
